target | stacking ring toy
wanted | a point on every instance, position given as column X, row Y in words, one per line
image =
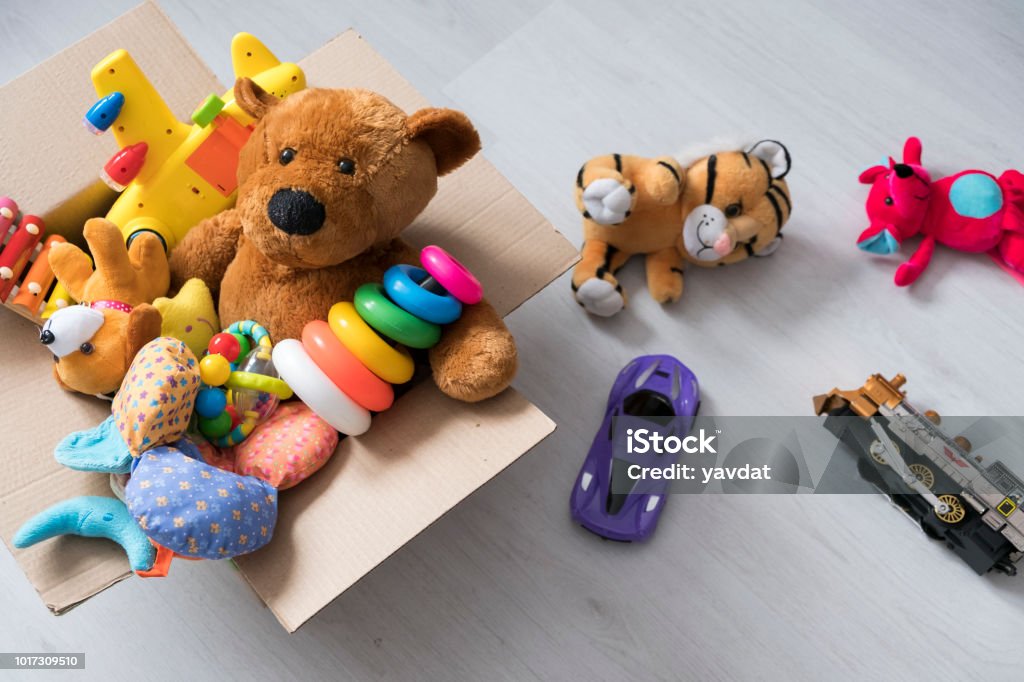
column 404, row 285
column 452, row 275
column 393, row 322
column 241, row 385
column 318, row 392
column 342, row 368
column 392, row 364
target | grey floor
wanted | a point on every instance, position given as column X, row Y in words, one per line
column 731, row 587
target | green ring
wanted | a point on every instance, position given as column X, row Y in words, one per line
column 379, row 312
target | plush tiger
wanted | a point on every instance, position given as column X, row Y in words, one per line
column 720, row 209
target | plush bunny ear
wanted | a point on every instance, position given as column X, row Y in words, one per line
column 144, row 323
column 774, row 154
column 868, row 176
column 252, row 99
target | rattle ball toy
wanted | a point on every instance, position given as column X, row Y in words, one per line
column 343, row 368
column 214, row 369
column 242, row 387
column 225, row 344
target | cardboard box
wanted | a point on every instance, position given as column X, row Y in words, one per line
column 419, row 459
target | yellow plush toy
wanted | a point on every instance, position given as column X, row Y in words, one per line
column 94, row 343
column 190, row 316
column 719, row 209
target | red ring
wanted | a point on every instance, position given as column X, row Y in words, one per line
column 344, row 369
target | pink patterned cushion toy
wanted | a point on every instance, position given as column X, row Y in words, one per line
column 287, row 448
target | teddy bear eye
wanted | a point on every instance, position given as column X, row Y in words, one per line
column 733, row 210
column 347, row 166
column 888, row 201
column 286, row 156
column 86, row 348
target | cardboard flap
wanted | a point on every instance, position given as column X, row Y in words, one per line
column 49, row 163
column 380, row 490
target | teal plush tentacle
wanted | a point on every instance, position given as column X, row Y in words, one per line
column 100, row 449
column 91, row 517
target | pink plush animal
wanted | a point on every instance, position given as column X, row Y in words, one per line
column 969, row 211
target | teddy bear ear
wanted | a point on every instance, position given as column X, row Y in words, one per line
column 252, row 99
column 449, row 134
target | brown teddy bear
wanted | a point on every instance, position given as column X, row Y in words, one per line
column 327, row 182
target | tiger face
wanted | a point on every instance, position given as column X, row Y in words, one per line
column 734, row 204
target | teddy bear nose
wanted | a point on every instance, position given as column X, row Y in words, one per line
column 296, row 212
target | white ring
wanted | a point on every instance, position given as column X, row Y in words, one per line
column 313, row 387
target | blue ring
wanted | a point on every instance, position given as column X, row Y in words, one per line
column 402, row 284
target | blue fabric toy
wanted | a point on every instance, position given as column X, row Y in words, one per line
column 90, row 517
column 176, row 502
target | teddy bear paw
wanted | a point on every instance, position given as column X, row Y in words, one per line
column 608, row 201
column 600, row 297
column 478, row 369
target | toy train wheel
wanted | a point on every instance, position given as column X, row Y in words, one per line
column 956, row 512
column 923, row 474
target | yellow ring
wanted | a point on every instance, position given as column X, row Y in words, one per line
column 259, row 382
column 392, row 364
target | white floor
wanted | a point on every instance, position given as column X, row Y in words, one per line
column 731, row 587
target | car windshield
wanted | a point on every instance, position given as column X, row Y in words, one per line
column 644, row 404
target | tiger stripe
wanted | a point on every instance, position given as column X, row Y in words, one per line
column 671, row 170
column 778, row 211
column 712, row 172
column 782, row 195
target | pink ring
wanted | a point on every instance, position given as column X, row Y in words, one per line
column 452, row 275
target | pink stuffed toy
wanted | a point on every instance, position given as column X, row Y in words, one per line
column 969, row 211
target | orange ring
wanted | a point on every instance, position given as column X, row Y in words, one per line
column 344, row 368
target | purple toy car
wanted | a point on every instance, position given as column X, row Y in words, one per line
column 658, row 387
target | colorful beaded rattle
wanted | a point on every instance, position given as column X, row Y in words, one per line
column 253, row 391
column 343, row 369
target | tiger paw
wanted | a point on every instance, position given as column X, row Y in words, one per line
column 600, row 297
column 666, row 287
column 607, row 201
